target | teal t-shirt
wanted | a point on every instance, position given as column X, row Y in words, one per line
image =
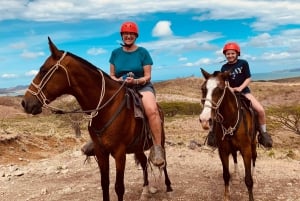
column 126, row 62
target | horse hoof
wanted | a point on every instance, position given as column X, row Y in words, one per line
column 88, row 149
column 170, row 194
column 144, row 197
column 153, row 190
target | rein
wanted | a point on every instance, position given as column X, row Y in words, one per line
column 39, row 94
column 219, row 117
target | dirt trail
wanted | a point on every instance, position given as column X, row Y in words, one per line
column 195, row 174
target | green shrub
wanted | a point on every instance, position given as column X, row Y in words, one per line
column 181, row 108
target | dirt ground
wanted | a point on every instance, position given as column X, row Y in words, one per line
column 46, row 165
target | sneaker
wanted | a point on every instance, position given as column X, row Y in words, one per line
column 265, row 139
column 211, row 140
column 157, row 155
column 88, row 148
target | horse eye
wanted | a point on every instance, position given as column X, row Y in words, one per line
column 203, row 88
column 218, row 90
column 42, row 72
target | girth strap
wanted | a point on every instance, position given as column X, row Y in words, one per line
column 100, row 132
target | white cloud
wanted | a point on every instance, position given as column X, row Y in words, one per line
column 265, row 13
column 8, row 76
column 276, row 56
column 96, row 51
column 200, row 62
column 18, row 45
column 175, row 44
column 284, row 41
column 182, row 59
column 162, row 29
column 31, row 55
column 260, row 15
column 31, row 73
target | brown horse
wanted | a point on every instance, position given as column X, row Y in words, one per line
column 233, row 124
column 113, row 127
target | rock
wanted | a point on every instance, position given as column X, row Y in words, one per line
column 44, row 191
column 18, row 173
column 152, row 190
column 193, row 144
column 2, row 174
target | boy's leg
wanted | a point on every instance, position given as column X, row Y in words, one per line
column 263, row 137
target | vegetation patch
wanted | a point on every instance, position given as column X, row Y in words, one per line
column 180, row 108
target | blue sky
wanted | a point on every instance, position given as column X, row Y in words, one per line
column 182, row 36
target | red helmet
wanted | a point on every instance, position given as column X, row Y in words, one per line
column 129, row 27
column 232, row 46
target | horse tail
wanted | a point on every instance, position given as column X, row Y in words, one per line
column 137, row 161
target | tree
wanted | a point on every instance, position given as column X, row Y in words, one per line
column 287, row 116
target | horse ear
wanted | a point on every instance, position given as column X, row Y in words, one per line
column 226, row 75
column 205, row 74
column 55, row 53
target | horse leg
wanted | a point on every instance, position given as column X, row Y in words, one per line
column 226, row 175
column 234, row 156
column 235, row 177
column 120, row 160
column 167, row 179
column 247, row 156
column 142, row 159
column 103, row 164
column 254, row 156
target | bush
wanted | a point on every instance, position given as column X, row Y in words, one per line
column 286, row 116
column 182, row 108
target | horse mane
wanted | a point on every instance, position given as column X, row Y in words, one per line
column 89, row 64
column 215, row 73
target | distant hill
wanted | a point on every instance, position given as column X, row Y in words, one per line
column 13, row 91
column 295, row 70
column 189, row 83
column 289, row 70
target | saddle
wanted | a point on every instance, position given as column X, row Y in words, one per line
column 245, row 102
column 136, row 97
column 132, row 96
column 145, row 137
column 247, row 105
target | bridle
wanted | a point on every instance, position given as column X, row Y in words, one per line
column 39, row 94
column 219, row 117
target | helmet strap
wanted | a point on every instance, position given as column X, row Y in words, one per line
column 126, row 45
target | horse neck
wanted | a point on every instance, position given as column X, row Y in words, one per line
column 229, row 106
column 90, row 87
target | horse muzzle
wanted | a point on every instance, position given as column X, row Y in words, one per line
column 205, row 124
column 32, row 105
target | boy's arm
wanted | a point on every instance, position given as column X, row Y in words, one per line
column 242, row 86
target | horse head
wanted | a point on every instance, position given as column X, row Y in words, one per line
column 51, row 81
column 212, row 89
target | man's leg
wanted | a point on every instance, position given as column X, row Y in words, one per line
column 157, row 155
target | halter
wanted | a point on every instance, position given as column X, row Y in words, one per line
column 219, row 118
column 39, row 94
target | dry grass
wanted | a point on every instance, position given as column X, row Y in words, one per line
column 34, row 133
